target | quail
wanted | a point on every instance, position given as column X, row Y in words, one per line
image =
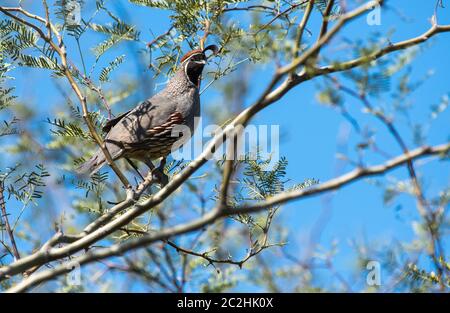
column 145, row 132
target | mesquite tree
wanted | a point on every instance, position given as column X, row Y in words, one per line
column 68, row 67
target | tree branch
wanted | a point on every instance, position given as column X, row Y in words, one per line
column 344, row 179
column 280, row 14
column 217, row 213
column 15, row 251
column 435, row 29
column 341, row 22
column 302, row 27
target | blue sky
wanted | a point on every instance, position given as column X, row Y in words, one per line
column 311, row 129
column 358, row 210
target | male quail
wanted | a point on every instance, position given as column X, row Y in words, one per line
column 145, row 132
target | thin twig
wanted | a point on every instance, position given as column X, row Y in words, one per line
column 15, row 251
column 250, row 8
column 302, row 27
column 280, row 14
column 151, row 43
column 205, row 34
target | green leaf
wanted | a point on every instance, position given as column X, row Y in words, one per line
column 104, row 74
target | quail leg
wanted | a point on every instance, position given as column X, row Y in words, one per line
column 134, row 167
column 163, row 179
column 158, row 172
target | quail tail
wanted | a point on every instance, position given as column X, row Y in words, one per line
column 92, row 165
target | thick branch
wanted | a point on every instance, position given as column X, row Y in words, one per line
column 217, row 213
column 343, row 66
column 341, row 22
column 344, row 179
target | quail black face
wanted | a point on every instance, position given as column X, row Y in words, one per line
column 194, row 66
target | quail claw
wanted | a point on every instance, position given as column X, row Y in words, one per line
column 131, row 194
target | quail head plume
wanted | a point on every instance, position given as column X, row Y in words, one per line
column 145, row 132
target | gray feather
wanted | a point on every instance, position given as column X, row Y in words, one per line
column 92, row 165
column 137, row 134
